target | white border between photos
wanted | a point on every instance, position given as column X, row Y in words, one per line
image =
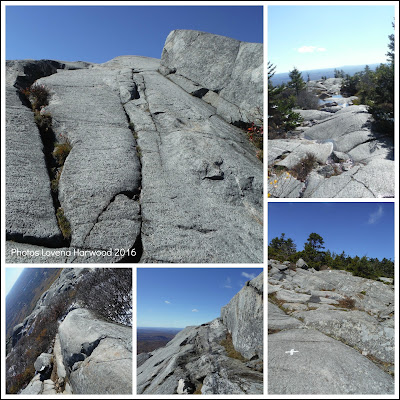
column 266, row 201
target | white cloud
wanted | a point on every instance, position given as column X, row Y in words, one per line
column 375, row 216
column 167, row 302
column 195, row 310
column 248, row 276
column 228, row 283
column 310, row 49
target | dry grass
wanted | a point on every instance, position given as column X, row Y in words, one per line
column 303, row 167
column 347, row 302
column 230, row 349
column 63, row 223
column 61, row 151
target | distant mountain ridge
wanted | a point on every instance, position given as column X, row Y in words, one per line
column 28, row 288
column 316, row 74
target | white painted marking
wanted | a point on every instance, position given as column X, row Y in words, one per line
column 291, row 352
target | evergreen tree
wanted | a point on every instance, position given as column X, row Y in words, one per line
column 281, row 118
column 284, row 247
column 296, row 80
column 313, row 255
column 390, row 53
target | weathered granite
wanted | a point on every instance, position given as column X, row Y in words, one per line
column 97, row 354
column 231, row 69
column 182, row 184
column 320, row 365
column 243, row 316
column 196, row 356
column 343, row 138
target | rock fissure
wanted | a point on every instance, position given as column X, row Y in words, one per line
column 105, row 191
column 49, row 141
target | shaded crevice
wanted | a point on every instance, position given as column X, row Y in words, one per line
column 136, row 251
column 48, row 138
column 200, row 92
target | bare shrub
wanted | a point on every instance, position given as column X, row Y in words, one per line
column 347, row 302
column 38, row 339
column 307, row 100
column 108, row 293
column 303, row 167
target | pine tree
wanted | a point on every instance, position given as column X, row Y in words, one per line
column 296, row 80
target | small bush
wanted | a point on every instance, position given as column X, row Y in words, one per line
column 108, row 293
column 39, row 96
column 347, row 302
column 63, row 223
column 230, row 349
column 61, row 151
column 55, row 181
column 256, row 135
column 307, row 100
column 303, row 167
column 43, row 120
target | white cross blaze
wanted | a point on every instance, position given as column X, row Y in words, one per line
column 291, row 352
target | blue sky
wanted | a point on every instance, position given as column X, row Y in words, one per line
column 315, row 37
column 12, row 275
column 100, row 33
column 179, row 297
column 355, row 228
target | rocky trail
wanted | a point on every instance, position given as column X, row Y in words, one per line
column 329, row 332
column 224, row 356
column 352, row 160
column 87, row 355
column 157, row 171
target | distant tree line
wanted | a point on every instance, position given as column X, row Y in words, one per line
column 373, row 88
column 284, row 249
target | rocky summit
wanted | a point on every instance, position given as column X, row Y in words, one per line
column 329, row 332
column 351, row 159
column 224, row 356
column 65, row 346
column 137, row 159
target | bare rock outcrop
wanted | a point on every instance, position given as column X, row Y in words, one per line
column 199, row 359
column 153, row 173
column 231, row 77
column 97, row 354
column 341, row 324
column 351, row 158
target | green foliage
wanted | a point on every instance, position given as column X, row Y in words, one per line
column 281, row 101
column 313, row 254
column 55, row 181
column 372, row 268
column 338, row 73
column 303, row 167
column 281, row 247
column 296, row 81
column 376, row 90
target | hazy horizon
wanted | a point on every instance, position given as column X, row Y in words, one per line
column 298, row 35
column 180, row 297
